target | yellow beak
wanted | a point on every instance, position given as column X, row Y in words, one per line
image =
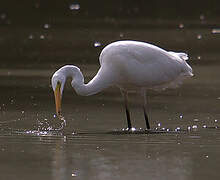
column 57, row 94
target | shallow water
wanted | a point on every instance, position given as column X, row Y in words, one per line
column 185, row 138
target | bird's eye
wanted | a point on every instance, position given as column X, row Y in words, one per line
column 58, row 85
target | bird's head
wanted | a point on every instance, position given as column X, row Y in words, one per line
column 58, row 81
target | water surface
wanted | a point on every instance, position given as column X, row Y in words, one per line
column 185, row 140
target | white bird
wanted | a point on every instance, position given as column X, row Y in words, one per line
column 130, row 66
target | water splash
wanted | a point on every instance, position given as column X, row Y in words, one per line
column 63, row 124
column 144, row 131
column 51, row 124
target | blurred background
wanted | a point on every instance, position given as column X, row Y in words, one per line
column 56, row 32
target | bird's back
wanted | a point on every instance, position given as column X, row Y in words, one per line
column 139, row 64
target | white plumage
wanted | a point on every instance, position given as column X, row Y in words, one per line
column 131, row 66
column 137, row 64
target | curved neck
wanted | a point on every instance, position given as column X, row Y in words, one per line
column 97, row 84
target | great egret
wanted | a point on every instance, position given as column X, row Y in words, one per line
column 131, row 66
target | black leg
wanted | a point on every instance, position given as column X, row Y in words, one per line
column 128, row 117
column 146, row 119
column 143, row 93
column 125, row 96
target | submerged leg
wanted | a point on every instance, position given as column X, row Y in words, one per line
column 143, row 94
column 125, row 97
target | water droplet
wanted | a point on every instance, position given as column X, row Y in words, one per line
column 202, row 17
column 194, row 126
column 42, row 37
column 158, row 124
column 46, row 26
column 177, row 129
column 168, row 130
column 133, row 129
column 54, row 115
column 74, row 6
column 198, row 57
column 207, row 156
column 121, row 35
column 181, row 116
column 204, row 126
column 216, row 120
column 215, row 31
column 74, row 175
column 196, row 120
column 188, row 128
column 181, row 26
column 3, row 16
column 22, row 112
column 199, row 36
column 31, row 37
column 97, row 44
